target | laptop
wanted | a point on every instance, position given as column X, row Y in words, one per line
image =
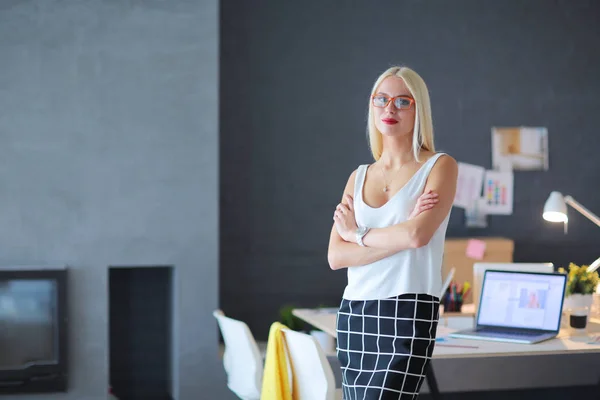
column 518, row 307
column 480, row 268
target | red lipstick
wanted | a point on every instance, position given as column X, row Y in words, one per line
column 389, row 121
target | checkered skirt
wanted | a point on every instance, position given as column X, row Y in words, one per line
column 384, row 346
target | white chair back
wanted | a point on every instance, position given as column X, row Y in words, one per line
column 242, row 360
column 312, row 374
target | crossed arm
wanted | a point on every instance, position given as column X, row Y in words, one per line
column 380, row 243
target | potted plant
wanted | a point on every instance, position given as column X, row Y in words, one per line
column 287, row 318
column 579, row 293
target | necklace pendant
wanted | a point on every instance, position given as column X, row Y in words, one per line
column 385, row 188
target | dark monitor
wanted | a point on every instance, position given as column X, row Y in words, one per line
column 33, row 327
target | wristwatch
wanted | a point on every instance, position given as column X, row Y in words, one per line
column 360, row 234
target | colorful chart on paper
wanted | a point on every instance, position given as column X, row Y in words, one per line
column 498, row 192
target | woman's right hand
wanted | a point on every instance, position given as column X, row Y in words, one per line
column 425, row 202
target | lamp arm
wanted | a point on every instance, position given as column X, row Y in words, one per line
column 587, row 213
column 594, row 266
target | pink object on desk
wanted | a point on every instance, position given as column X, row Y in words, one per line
column 475, row 249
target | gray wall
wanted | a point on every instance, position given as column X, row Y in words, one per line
column 109, row 156
column 295, row 77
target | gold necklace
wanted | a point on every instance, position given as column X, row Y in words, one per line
column 385, row 184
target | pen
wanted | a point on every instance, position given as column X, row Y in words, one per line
column 453, row 291
column 467, row 292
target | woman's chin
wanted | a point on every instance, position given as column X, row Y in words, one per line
column 393, row 133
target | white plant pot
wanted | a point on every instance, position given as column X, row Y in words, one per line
column 325, row 340
column 578, row 304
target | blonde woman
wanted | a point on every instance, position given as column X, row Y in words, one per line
column 389, row 233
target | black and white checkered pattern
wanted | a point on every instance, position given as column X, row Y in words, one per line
column 384, row 346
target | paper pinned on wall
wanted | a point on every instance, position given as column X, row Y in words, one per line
column 475, row 249
column 520, row 148
column 498, row 192
column 475, row 216
column 468, row 186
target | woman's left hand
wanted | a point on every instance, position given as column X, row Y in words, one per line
column 345, row 221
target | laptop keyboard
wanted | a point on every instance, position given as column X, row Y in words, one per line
column 490, row 332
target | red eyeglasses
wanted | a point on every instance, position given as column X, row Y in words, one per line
column 400, row 102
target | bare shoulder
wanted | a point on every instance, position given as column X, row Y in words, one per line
column 446, row 163
column 445, row 168
column 349, row 189
column 425, row 155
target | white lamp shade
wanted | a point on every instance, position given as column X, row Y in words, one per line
column 555, row 209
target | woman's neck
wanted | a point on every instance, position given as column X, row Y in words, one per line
column 396, row 153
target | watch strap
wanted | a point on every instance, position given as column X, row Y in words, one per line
column 360, row 234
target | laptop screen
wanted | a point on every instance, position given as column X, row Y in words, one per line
column 521, row 300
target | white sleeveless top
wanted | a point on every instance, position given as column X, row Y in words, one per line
column 408, row 271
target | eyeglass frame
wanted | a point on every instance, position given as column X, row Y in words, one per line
column 393, row 99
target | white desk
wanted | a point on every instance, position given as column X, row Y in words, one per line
column 583, row 358
column 565, row 343
column 325, row 318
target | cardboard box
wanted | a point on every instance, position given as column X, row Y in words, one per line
column 496, row 249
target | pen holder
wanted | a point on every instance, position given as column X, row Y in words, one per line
column 451, row 304
column 452, row 300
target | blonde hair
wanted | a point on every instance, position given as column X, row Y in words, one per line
column 423, row 129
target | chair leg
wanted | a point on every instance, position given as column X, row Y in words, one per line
column 432, row 383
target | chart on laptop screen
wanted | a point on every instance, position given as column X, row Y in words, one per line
column 521, row 300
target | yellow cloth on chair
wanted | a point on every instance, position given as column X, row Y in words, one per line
column 276, row 384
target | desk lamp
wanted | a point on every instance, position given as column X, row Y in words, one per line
column 555, row 210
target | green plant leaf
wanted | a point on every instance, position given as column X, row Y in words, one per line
column 579, row 280
column 287, row 318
